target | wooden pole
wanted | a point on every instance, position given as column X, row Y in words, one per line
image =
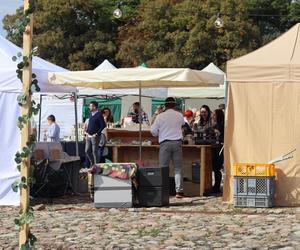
column 25, row 133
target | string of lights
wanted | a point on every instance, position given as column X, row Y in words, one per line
column 118, row 12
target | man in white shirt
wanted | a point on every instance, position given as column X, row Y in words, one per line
column 168, row 127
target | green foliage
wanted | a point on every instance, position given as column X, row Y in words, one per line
column 283, row 15
column 182, row 34
column 79, row 34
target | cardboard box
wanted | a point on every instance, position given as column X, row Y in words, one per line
column 191, row 189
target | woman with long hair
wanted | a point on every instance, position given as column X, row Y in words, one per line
column 108, row 118
column 205, row 120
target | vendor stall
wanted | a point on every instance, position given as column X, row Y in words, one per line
column 125, row 148
column 145, row 148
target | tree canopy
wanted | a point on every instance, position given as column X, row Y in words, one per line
column 79, row 34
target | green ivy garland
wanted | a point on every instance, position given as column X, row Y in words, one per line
column 26, row 217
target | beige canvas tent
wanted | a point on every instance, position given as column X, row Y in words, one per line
column 263, row 115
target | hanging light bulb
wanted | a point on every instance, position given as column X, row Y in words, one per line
column 118, row 12
column 219, row 23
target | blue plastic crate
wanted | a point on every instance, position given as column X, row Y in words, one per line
column 253, row 201
column 254, row 186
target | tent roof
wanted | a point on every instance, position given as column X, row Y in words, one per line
column 105, row 65
column 132, row 77
column 206, row 92
column 277, row 61
column 8, row 79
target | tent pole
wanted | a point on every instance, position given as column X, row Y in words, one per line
column 76, row 123
column 40, row 117
column 140, row 122
column 25, row 133
column 226, row 93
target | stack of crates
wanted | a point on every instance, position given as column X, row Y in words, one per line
column 254, row 185
column 153, row 186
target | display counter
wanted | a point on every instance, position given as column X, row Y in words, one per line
column 127, row 136
column 123, row 151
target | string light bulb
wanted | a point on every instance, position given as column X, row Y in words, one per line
column 219, row 23
column 118, row 12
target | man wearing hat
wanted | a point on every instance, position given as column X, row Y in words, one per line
column 168, row 127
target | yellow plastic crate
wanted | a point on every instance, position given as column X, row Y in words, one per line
column 253, row 169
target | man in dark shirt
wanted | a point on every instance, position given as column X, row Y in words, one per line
column 95, row 126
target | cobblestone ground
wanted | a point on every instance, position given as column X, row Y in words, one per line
column 191, row 223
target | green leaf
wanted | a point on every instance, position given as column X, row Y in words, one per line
column 14, row 58
column 15, row 186
column 23, row 179
column 17, row 222
column 32, row 239
column 19, row 54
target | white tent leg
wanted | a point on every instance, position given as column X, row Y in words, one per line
column 40, row 117
column 76, row 123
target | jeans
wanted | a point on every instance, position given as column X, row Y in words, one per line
column 91, row 149
column 172, row 150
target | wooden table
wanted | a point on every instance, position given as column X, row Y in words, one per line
column 191, row 153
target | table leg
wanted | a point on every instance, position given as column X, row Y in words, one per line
column 115, row 154
column 202, row 169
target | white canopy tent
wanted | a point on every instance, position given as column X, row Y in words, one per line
column 137, row 77
column 106, row 65
column 209, row 92
column 193, row 92
column 10, row 88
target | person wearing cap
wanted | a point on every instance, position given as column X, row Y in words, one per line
column 168, row 127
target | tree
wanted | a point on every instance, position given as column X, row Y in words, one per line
column 75, row 34
column 182, row 34
column 273, row 16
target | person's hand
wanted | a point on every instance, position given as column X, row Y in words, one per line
column 94, row 135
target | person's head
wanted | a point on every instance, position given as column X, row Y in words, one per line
column 136, row 107
column 93, row 106
column 106, row 112
column 159, row 109
column 170, row 103
column 205, row 113
column 51, row 119
column 218, row 117
column 188, row 114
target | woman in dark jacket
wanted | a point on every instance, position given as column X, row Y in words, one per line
column 218, row 159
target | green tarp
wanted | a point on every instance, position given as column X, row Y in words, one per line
column 114, row 104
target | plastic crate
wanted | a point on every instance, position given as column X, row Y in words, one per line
column 253, row 201
column 258, row 186
column 153, row 196
column 253, row 169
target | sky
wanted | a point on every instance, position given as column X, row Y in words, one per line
column 8, row 7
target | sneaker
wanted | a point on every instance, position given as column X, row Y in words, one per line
column 180, row 195
column 93, row 169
